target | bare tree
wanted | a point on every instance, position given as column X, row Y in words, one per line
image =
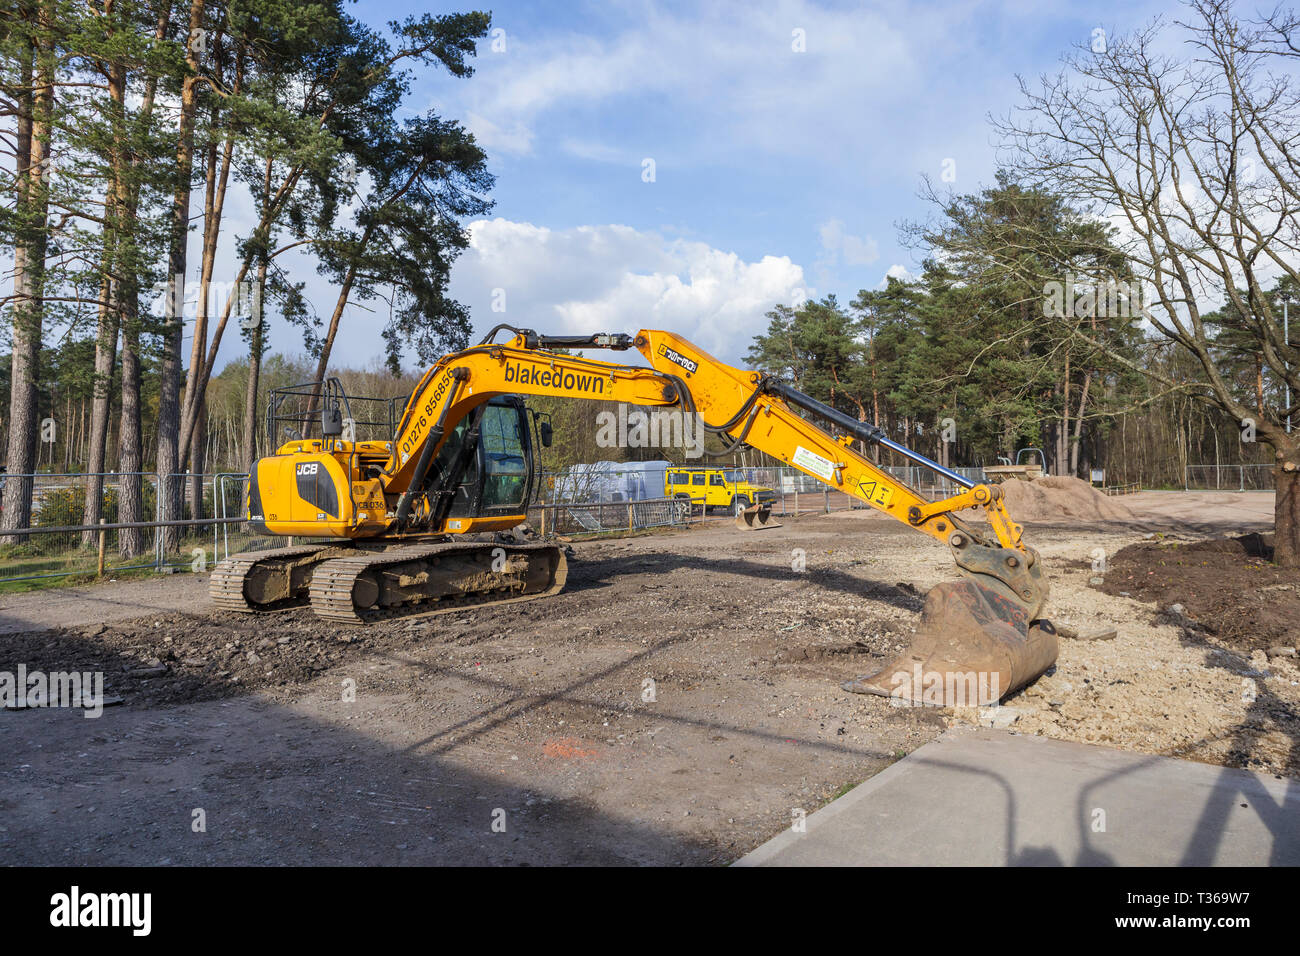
column 1183, row 136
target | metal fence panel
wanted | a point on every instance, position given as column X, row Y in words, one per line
column 58, row 501
column 613, row 485
column 1228, row 477
column 568, row 518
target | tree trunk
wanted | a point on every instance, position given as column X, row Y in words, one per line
column 1078, row 426
column 249, row 449
column 1286, row 509
column 101, row 399
column 31, row 203
column 195, row 396
column 1063, row 446
column 130, row 508
column 169, row 408
column 213, row 201
column 256, row 344
column 110, row 302
column 200, row 369
column 67, row 440
column 323, row 363
column 1259, row 384
column 198, row 462
column 130, row 541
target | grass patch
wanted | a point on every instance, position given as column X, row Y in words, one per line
column 73, row 564
column 841, row 792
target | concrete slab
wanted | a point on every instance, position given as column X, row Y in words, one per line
column 981, row 797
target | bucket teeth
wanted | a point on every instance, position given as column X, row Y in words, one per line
column 755, row 518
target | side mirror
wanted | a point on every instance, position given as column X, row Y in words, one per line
column 547, row 434
column 331, row 422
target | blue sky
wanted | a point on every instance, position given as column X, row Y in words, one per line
column 777, row 172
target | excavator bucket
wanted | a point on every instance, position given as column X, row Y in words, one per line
column 975, row 645
column 755, row 518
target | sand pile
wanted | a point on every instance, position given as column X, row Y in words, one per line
column 1052, row 498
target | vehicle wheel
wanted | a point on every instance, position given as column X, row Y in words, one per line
column 739, row 504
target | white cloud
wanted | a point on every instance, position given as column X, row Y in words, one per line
column 840, row 245
column 899, row 272
column 733, row 63
column 598, row 152
column 614, row 278
column 517, row 139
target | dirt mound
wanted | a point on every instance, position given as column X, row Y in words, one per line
column 1226, row 586
column 1052, row 498
column 1253, row 545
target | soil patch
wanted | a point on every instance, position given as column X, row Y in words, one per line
column 1228, row 587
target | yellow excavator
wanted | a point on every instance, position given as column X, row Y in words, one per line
column 419, row 522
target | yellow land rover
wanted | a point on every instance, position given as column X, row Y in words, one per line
column 719, row 487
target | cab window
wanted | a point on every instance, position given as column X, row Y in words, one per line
column 697, row 479
column 715, row 479
column 467, row 481
column 503, row 454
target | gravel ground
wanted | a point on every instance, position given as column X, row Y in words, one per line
column 676, row 704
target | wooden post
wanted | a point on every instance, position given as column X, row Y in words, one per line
column 629, row 516
column 102, row 535
column 826, row 494
column 543, row 519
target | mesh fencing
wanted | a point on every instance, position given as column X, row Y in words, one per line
column 795, row 490
column 576, row 518
column 60, row 501
column 1228, row 477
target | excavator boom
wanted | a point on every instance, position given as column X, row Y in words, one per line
column 980, row 638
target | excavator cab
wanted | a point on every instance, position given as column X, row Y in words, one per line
column 326, row 480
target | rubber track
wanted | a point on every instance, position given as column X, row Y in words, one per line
column 332, row 582
column 226, row 585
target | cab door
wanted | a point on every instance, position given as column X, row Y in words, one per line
column 505, row 458
column 493, row 477
column 718, row 494
column 699, row 488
